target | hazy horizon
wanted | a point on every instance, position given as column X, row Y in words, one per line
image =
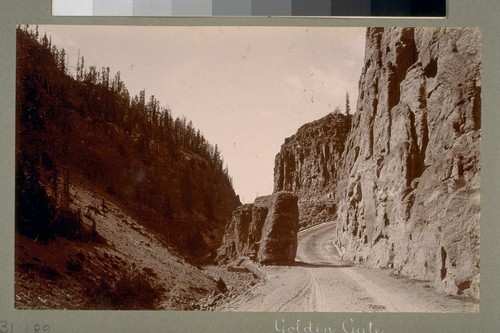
column 245, row 88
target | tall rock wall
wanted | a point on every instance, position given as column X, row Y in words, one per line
column 408, row 181
column 307, row 165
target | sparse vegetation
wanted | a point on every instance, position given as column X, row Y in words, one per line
column 134, row 290
column 69, row 224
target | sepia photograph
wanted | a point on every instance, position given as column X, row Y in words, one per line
column 248, row 168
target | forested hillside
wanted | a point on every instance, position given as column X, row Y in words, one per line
column 85, row 123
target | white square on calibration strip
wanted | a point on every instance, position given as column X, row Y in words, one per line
column 72, row 7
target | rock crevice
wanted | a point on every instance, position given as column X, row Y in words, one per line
column 307, row 165
column 410, row 169
column 266, row 229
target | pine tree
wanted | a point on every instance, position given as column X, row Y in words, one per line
column 347, row 104
column 62, row 61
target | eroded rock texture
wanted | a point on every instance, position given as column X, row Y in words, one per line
column 408, row 182
column 307, row 165
column 244, row 230
column 268, row 228
column 278, row 243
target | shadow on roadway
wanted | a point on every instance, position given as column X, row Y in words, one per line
column 320, row 265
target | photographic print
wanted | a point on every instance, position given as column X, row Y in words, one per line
column 269, row 169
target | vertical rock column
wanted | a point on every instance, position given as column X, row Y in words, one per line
column 278, row 244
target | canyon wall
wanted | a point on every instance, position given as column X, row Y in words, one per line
column 408, row 183
column 402, row 175
column 307, row 165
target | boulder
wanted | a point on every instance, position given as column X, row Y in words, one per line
column 278, row 244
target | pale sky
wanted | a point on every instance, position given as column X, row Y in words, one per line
column 245, row 88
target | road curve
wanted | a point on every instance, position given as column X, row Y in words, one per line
column 320, row 282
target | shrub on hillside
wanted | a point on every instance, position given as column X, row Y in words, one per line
column 134, row 290
column 69, row 224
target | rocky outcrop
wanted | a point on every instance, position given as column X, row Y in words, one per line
column 278, row 243
column 408, row 185
column 307, row 165
column 267, row 228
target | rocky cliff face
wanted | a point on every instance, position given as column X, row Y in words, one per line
column 307, row 165
column 403, row 179
column 278, row 243
column 408, row 181
column 267, row 228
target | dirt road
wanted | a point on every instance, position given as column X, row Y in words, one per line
column 318, row 281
